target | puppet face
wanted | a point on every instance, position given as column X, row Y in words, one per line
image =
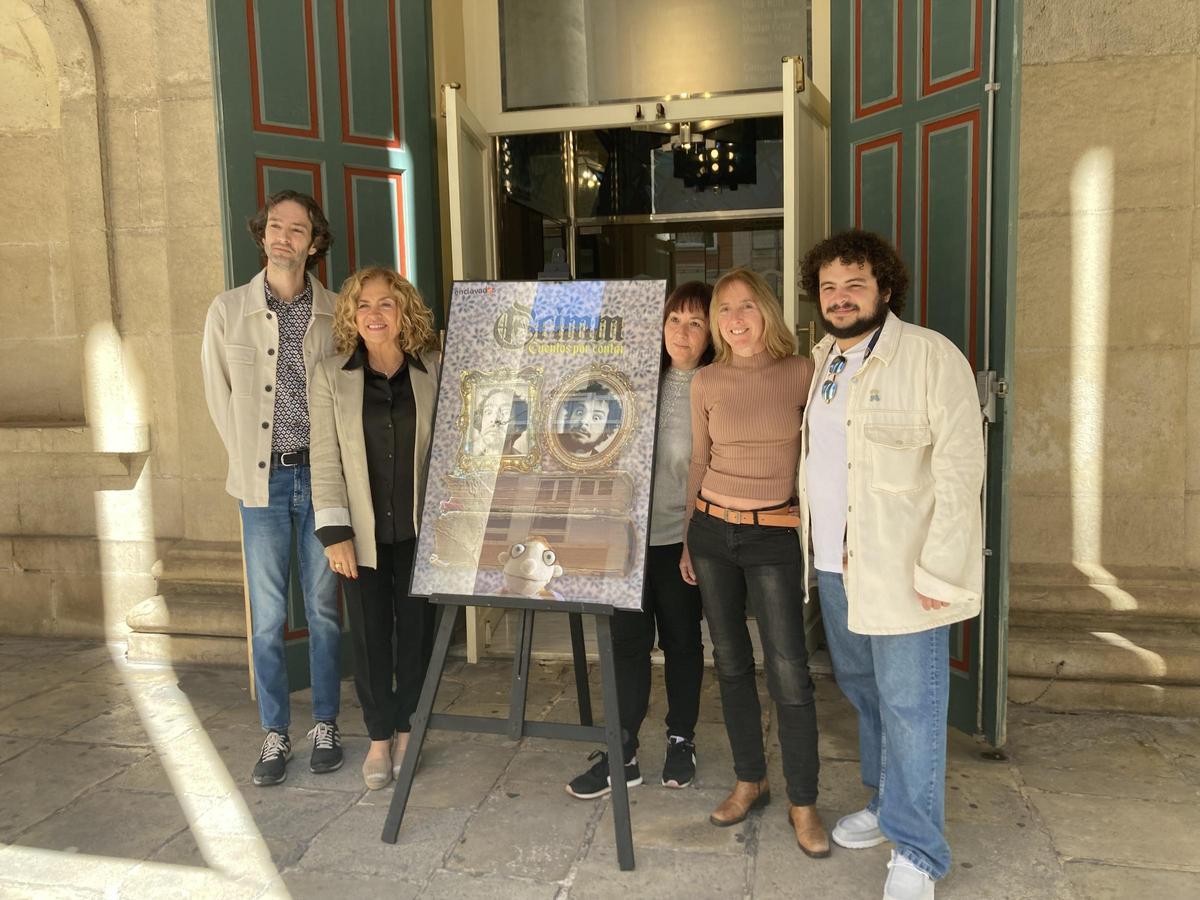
column 529, row 567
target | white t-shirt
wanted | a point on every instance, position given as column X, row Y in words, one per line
column 825, row 465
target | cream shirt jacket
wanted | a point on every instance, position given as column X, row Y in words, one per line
column 238, row 358
column 914, row 447
column 341, row 486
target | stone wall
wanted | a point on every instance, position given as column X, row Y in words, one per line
column 1106, row 462
column 111, row 247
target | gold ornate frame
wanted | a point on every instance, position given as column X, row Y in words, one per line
column 527, row 382
column 621, row 387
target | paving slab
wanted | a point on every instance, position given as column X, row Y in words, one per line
column 1094, row 881
column 12, row 891
column 51, row 870
column 12, row 746
column 986, row 796
column 60, row 709
column 351, row 844
column 171, row 882
column 660, row 875
column 1113, row 829
column 524, row 828
column 451, row 775
column 996, row 862
column 51, row 775
column 461, row 886
column 305, row 885
column 146, row 822
column 780, row 869
column 1109, row 757
column 533, row 763
column 667, row 819
column 21, row 684
column 230, row 855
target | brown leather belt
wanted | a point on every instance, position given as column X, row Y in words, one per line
column 779, row 516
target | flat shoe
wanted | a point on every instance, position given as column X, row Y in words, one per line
column 377, row 772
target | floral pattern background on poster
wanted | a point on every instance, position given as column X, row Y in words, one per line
column 539, row 473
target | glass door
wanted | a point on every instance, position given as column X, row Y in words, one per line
column 597, row 193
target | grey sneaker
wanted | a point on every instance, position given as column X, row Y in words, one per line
column 327, row 748
column 905, row 881
column 271, row 767
column 858, row 831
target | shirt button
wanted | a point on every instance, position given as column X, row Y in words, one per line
column 270, row 351
column 266, row 424
column 262, row 465
column 389, row 513
column 849, row 465
column 851, row 554
column 847, row 422
column 268, row 389
column 268, row 315
column 389, row 456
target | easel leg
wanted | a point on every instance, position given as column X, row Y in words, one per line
column 616, row 753
column 582, row 689
column 420, row 724
column 520, row 677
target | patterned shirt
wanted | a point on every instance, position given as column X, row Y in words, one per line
column 289, row 429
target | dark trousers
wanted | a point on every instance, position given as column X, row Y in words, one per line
column 672, row 607
column 392, row 634
column 759, row 565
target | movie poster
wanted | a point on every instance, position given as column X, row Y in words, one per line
column 539, row 474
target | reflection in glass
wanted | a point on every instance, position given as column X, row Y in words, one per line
column 586, row 52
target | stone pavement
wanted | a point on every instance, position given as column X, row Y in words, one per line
column 121, row 781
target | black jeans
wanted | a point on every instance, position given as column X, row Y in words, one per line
column 760, row 565
column 392, row 634
column 674, row 606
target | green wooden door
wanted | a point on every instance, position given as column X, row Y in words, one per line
column 912, row 127
column 333, row 98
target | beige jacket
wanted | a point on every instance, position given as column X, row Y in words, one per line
column 341, row 486
column 238, row 358
column 914, row 444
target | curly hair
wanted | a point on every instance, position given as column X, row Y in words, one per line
column 859, row 247
column 416, row 321
column 691, row 296
column 780, row 342
column 322, row 237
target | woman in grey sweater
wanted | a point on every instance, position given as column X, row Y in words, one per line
column 670, row 605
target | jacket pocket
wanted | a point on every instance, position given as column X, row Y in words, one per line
column 899, row 456
column 241, row 369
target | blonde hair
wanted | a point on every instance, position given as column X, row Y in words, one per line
column 416, row 320
column 780, row 342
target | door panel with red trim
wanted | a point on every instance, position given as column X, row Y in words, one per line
column 909, row 108
column 332, row 98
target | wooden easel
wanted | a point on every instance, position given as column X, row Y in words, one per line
column 516, row 725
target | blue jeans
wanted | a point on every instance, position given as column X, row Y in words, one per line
column 266, row 543
column 900, row 685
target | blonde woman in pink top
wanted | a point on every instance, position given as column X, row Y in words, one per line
column 742, row 548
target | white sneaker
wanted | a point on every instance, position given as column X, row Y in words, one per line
column 905, row 881
column 858, row 831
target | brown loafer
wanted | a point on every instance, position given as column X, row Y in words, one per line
column 810, row 833
column 746, row 795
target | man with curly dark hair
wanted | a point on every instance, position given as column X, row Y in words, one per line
column 891, row 469
column 262, row 341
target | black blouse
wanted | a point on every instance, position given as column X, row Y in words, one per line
column 389, row 418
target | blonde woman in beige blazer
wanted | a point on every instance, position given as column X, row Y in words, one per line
column 371, row 408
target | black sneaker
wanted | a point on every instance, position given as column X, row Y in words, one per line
column 271, row 767
column 680, row 767
column 327, row 748
column 595, row 781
